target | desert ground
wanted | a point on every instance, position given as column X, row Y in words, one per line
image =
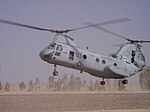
column 75, row 101
column 104, row 99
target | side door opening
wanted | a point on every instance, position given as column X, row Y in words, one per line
column 71, row 55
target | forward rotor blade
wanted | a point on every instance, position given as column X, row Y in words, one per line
column 24, row 25
column 64, row 31
column 102, row 23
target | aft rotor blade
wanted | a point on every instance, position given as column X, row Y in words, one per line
column 115, row 34
column 112, row 33
column 24, row 25
column 143, row 41
column 103, row 23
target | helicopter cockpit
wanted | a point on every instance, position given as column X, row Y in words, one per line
column 47, row 53
column 51, row 46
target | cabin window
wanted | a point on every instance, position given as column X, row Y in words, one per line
column 58, row 50
column 115, row 64
column 103, row 61
column 71, row 55
column 97, row 60
column 78, row 55
column 57, row 53
column 84, row 56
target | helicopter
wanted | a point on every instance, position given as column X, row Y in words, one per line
column 126, row 62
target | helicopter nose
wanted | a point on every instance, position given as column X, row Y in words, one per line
column 45, row 56
column 41, row 53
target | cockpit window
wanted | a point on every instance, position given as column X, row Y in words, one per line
column 59, row 48
column 51, row 46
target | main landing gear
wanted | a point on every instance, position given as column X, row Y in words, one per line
column 125, row 81
column 55, row 73
column 102, row 82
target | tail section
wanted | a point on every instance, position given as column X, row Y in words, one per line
column 132, row 53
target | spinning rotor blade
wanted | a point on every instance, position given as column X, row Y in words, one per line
column 79, row 28
column 145, row 41
column 23, row 25
column 139, row 41
column 102, row 23
column 115, row 34
column 130, row 40
column 112, row 33
column 64, row 31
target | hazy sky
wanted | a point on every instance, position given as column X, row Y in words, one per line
column 20, row 47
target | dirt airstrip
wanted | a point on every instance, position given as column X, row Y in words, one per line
column 62, row 101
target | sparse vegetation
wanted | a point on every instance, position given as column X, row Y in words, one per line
column 121, row 86
column 7, row 87
column 74, row 83
column 91, row 86
column 31, row 86
column 51, row 82
column 1, row 87
column 22, row 86
column 37, row 84
column 144, row 78
column 97, row 85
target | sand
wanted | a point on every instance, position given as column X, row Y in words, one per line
column 75, row 101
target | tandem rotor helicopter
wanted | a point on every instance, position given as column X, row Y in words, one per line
column 126, row 62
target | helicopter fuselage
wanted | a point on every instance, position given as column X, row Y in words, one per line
column 126, row 62
column 93, row 63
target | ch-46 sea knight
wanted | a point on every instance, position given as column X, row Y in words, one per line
column 126, row 62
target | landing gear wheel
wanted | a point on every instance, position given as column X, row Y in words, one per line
column 124, row 81
column 55, row 73
column 102, row 82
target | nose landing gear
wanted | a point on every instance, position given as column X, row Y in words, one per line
column 55, row 73
column 102, row 82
